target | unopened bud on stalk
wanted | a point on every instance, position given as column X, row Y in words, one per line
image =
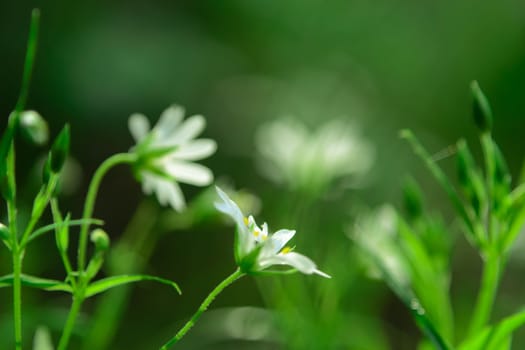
column 501, row 169
column 465, row 163
column 412, row 198
column 101, row 240
column 469, row 177
column 4, row 232
column 34, row 127
column 60, row 150
column 482, row 111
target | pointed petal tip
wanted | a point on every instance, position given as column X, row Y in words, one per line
column 322, row 274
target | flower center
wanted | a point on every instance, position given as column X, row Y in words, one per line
column 286, row 250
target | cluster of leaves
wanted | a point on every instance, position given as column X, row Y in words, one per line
column 416, row 264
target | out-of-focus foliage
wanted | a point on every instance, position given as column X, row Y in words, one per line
column 379, row 65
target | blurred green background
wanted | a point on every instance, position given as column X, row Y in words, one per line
column 383, row 65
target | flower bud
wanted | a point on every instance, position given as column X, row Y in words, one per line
column 501, row 169
column 101, row 239
column 60, row 150
column 34, row 127
column 5, row 235
column 465, row 163
column 46, row 171
column 5, row 187
column 481, row 108
column 469, row 178
column 412, row 198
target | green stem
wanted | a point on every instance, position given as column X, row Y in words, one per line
column 229, row 280
column 487, row 294
column 89, row 205
column 17, row 296
column 16, row 252
column 70, row 323
column 138, row 239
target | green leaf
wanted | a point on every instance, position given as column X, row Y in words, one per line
column 474, row 233
column 37, row 282
column 497, row 337
column 482, row 111
column 60, row 150
column 44, row 229
column 115, row 281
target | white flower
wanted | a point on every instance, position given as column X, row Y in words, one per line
column 301, row 159
column 166, row 154
column 257, row 250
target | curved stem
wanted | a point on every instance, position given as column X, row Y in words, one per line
column 229, row 280
column 91, row 196
column 70, row 323
column 487, row 294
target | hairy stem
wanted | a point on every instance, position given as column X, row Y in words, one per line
column 203, row 307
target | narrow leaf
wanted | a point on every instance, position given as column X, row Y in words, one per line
column 45, row 229
column 37, row 282
column 115, row 281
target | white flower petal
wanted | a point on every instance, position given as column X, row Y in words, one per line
column 168, row 122
column 196, row 150
column 230, row 208
column 188, row 130
column 280, row 238
column 190, row 173
column 298, row 261
column 138, row 126
column 168, row 192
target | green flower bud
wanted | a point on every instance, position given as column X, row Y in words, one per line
column 501, row 169
column 34, row 127
column 5, row 235
column 465, row 162
column 412, row 198
column 60, row 150
column 101, row 240
column 5, row 188
column 470, row 178
column 46, row 170
column 482, row 111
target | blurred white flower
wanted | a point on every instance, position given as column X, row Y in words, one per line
column 300, row 159
column 376, row 236
column 257, row 250
column 166, row 154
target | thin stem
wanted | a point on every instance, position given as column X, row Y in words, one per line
column 17, row 297
column 229, row 280
column 89, row 205
column 16, row 252
column 138, row 239
column 70, row 323
column 474, row 235
column 487, row 294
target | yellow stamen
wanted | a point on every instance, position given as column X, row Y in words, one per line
column 286, row 250
column 256, row 233
column 246, row 221
column 264, row 238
